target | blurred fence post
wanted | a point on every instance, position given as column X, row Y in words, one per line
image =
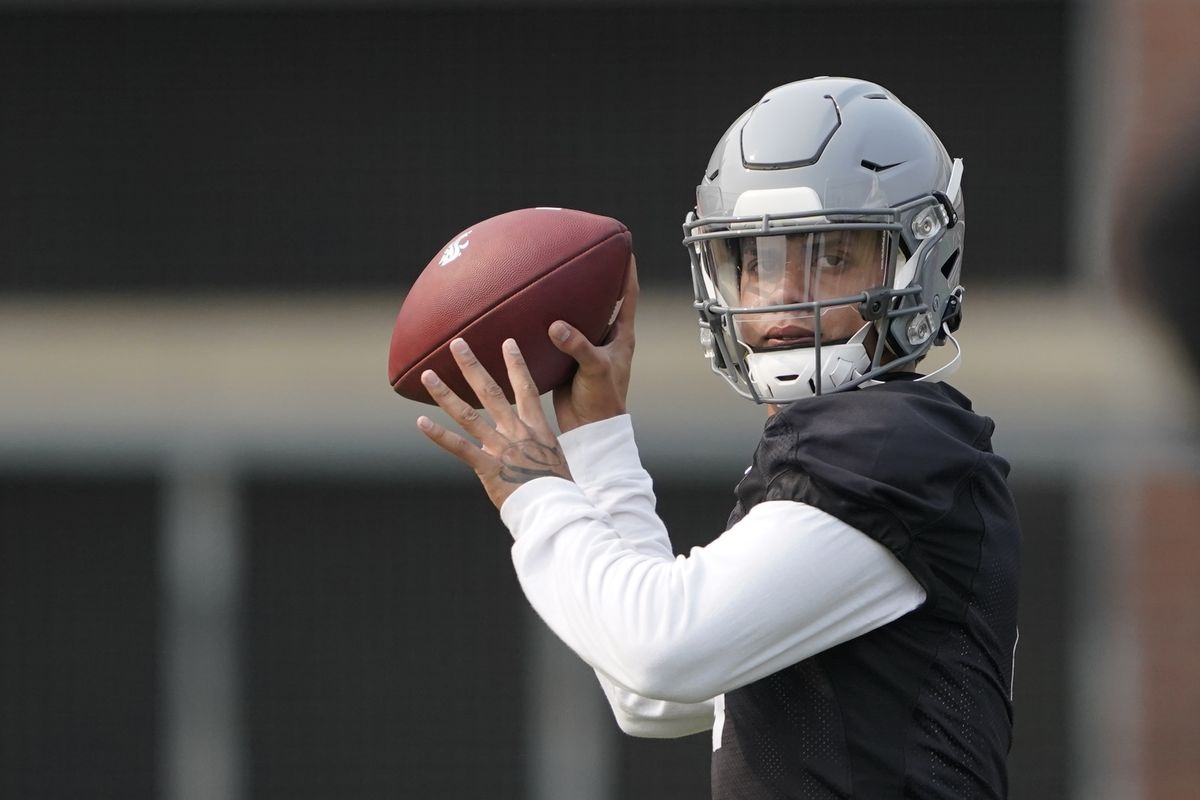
column 570, row 737
column 203, row 752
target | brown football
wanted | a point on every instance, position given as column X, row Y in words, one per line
column 511, row 276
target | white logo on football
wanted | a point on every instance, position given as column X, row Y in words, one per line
column 454, row 249
column 616, row 310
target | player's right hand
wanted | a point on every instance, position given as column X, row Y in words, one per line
column 517, row 446
column 601, row 383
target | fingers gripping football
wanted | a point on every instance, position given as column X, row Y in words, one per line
column 517, row 447
column 601, row 383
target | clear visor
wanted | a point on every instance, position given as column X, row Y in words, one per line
column 807, row 272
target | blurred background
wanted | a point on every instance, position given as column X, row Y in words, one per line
column 229, row 567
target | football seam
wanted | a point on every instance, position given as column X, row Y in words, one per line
column 624, row 230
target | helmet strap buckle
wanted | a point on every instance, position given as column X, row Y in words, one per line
column 948, row 206
column 952, row 318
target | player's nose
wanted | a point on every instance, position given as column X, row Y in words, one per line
column 790, row 288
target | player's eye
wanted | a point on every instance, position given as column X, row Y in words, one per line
column 832, row 262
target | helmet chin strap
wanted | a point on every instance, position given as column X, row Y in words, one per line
column 772, row 392
column 950, row 367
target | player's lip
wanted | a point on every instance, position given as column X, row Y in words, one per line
column 788, row 336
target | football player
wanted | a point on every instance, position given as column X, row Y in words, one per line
column 852, row 633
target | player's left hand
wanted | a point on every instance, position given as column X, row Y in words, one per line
column 517, row 446
column 601, row 382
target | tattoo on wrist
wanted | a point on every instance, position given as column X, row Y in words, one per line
column 523, row 461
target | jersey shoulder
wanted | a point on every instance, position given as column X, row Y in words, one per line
column 897, row 433
column 889, row 459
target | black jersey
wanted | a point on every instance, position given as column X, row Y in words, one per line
column 920, row 708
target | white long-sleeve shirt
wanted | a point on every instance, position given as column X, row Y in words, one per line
column 667, row 635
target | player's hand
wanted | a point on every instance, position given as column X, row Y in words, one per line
column 517, row 446
column 601, row 383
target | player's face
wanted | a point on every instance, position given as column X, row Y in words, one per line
column 803, row 268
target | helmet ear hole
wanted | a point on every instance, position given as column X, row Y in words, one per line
column 948, row 267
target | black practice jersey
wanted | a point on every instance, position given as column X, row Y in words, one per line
column 920, row 708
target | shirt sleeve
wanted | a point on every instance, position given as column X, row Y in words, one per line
column 655, row 719
column 604, row 461
column 786, row 582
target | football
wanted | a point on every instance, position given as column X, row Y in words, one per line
column 511, row 276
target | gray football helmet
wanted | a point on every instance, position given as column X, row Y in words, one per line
column 826, row 242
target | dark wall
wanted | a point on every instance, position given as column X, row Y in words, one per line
column 384, row 648
column 341, row 149
column 79, row 615
column 385, row 644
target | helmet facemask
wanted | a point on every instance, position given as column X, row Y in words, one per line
column 787, row 299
